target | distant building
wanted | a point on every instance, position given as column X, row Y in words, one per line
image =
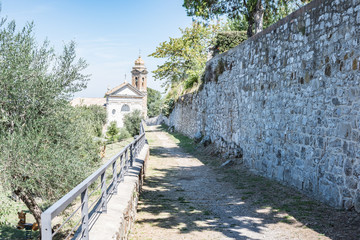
column 88, row 102
column 126, row 97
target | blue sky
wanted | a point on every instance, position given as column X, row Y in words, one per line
column 108, row 33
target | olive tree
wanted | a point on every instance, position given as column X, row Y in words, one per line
column 47, row 146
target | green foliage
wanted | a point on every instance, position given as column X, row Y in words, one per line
column 132, row 122
column 154, row 102
column 191, row 80
column 186, row 58
column 43, row 139
column 58, row 147
column 220, row 68
column 8, row 207
column 186, row 55
column 123, row 134
column 242, row 10
column 96, row 115
column 227, row 40
column 169, row 105
column 112, row 132
column 236, row 24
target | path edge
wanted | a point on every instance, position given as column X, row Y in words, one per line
column 116, row 224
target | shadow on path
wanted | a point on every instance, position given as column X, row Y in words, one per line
column 231, row 201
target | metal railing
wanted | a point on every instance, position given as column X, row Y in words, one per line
column 120, row 165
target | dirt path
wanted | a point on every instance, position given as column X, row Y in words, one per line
column 184, row 199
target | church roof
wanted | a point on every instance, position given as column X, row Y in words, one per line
column 115, row 89
column 88, row 102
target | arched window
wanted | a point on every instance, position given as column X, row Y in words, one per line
column 113, row 111
column 125, row 108
column 136, row 81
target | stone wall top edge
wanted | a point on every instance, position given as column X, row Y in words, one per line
column 301, row 11
column 294, row 15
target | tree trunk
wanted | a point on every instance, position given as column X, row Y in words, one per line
column 259, row 16
column 31, row 204
column 249, row 32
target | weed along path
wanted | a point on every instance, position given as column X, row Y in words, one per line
column 188, row 196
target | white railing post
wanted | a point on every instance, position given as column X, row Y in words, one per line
column 46, row 232
column 141, row 128
column 103, row 192
column 126, row 160
column 121, row 168
column 114, row 188
column 131, row 154
column 84, row 215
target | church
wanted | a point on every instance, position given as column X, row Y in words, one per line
column 124, row 98
column 127, row 97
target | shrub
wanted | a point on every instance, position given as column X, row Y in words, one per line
column 169, row 105
column 112, row 132
column 123, row 134
column 226, row 40
column 132, row 122
column 191, row 80
column 96, row 115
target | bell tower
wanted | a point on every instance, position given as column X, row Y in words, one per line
column 139, row 75
column 139, row 81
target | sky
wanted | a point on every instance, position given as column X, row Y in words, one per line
column 109, row 34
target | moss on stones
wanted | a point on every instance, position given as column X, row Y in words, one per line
column 220, row 68
column 354, row 64
column 328, row 70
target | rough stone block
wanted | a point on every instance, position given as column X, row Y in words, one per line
column 343, row 130
column 357, row 201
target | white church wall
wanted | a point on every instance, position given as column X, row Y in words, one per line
column 114, row 107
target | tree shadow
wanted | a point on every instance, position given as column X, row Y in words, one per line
column 8, row 232
column 241, row 205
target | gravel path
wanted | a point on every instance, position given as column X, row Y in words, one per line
column 184, row 199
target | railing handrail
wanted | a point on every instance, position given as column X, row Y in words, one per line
column 63, row 202
column 81, row 188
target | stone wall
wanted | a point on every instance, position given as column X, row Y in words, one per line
column 288, row 101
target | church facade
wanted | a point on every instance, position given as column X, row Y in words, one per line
column 127, row 97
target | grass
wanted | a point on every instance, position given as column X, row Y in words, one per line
column 182, row 200
column 182, row 141
column 11, row 233
column 112, row 149
column 8, row 230
column 206, row 213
